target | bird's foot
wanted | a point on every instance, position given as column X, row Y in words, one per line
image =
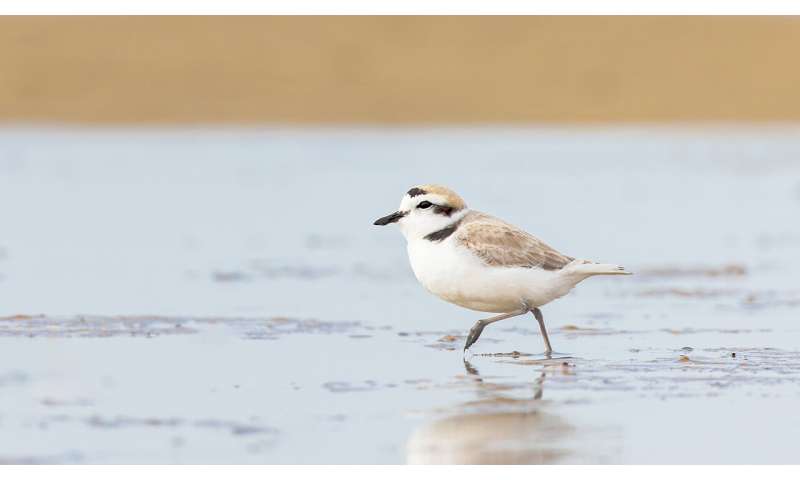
column 551, row 355
column 474, row 334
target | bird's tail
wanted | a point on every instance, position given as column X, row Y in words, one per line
column 585, row 268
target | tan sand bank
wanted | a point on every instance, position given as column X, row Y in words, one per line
column 398, row 70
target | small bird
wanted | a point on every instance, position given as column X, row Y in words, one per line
column 482, row 263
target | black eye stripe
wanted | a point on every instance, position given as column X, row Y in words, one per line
column 438, row 209
column 443, row 210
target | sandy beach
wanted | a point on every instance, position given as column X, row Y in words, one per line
column 398, row 70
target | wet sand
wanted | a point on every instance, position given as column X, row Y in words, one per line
column 222, row 297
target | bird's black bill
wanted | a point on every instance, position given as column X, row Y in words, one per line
column 391, row 218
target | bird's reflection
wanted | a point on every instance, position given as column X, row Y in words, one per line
column 475, row 375
column 496, row 428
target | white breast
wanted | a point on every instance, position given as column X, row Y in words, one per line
column 453, row 273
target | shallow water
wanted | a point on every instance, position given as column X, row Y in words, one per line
column 222, row 297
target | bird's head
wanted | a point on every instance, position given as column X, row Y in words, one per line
column 426, row 209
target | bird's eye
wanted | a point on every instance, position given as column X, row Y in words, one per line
column 425, row 204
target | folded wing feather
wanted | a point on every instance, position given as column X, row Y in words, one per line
column 501, row 244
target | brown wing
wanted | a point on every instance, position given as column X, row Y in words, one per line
column 501, row 244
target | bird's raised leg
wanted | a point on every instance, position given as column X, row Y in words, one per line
column 477, row 329
column 539, row 318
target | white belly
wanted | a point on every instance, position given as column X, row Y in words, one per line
column 454, row 274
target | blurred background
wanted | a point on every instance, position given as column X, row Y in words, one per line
column 189, row 272
column 398, row 70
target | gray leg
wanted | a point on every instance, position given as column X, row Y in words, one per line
column 539, row 318
column 477, row 329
